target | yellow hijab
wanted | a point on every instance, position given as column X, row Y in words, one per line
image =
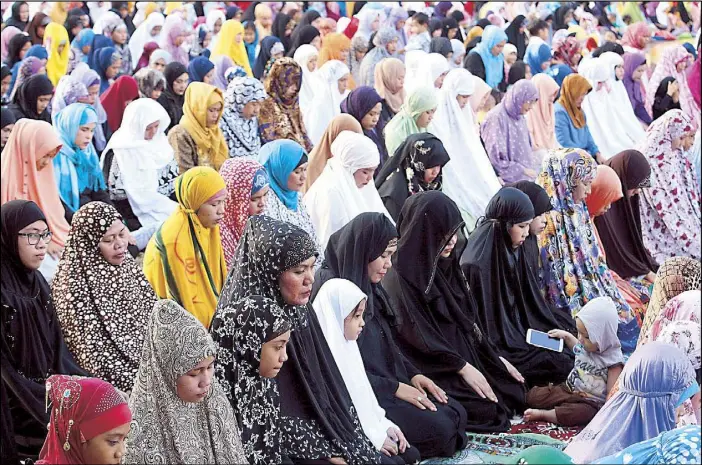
column 173, row 6
column 58, row 13
column 211, row 145
column 184, row 261
column 226, row 45
column 57, row 65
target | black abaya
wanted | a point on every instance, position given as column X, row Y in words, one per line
column 507, row 292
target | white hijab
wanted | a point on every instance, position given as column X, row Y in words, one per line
column 602, row 321
column 334, row 199
column 456, row 129
column 142, row 36
column 212, row 17
column 140, row 161
column 336, row 299
column 610, row 116
column 309, row 78
column 326, row 100
column 423, row 69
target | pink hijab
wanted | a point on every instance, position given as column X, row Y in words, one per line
column 541, row 119
column 672, row 56
column 8, row 33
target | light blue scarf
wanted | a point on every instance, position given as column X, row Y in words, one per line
column 494, row 65
column 280, row 158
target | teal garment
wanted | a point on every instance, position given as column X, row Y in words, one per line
column 75, row 169
column 679, row 446
column 280, row 158
column 542, row 455
column 404, row 123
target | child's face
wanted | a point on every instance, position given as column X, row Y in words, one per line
column 249, row 36
column 353, row 323
column 584, row 337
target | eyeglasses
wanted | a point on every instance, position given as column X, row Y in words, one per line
column 34, row 238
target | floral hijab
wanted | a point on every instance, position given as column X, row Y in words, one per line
column 241, row 133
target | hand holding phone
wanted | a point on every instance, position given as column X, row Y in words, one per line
column 543, row 340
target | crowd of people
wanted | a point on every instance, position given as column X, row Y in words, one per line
column 325, row 232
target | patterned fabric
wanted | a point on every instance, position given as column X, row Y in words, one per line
column 103, row 308
column 164, row 428
column 240, row 330
column 241, row 133
column 679, row 446
column 670, row 209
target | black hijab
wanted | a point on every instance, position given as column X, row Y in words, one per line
column 24, row 104
column 169, row 100
column 516, row 38
column 440, row 45
column 608, row 47
column 71, row 22
column 662, row 102
column 403, row 174
column 447, row 24
column 278, row 29
column 542, row 204
column 264, row 56
column 434, row 25
column 15, row 17
column 14, row 47
column 302, row 35
column 559, row 17
column 458, row 16
column 249, row 13
column 620, row 227
column 516, row 72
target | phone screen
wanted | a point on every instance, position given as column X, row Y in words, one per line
column 543, row 340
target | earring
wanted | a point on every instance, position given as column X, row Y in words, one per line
column 66, row 445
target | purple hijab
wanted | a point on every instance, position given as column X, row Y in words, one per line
column 358, row 103
column 633, row 88
column 657, row 378
column 222, row 64
column 506, row 135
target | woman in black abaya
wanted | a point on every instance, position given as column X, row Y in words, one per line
column 317, row 420
column 507, row 292
column 437, row 327
column 436, row 425
column 542, row 205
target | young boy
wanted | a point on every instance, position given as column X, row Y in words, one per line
column 420, row 40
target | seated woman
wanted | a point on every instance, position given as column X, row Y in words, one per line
column 414, row 116
column 571, row 123
column 247, row 192
column 239, row 123
column 655, row 381
column 670, row 208
column 436, row 316
column 634, row 68
column 345, row 188
column 89, row 422
column 29, row 175
column 542, row 205
column 505, row 134
column 574, row 269
column 230, row 42
column 306, row 57
column 197, row 139
column 673, row 62
column 365, row 105
column 675, row 446
column 172, row 99
column 77, row 167
column 184, row 260
column 416, row 166
column 496, row 253
column 32, row 99
column 32, row 343
column 486, row 60
column 389, row 82
column 102, row 298
column 180, row 412
column 140, row 170
column 667, row 97
column 252, row 336
column 317, row 421
column 339, row 306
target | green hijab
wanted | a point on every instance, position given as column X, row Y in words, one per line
column 545, row 455
column 404, row 123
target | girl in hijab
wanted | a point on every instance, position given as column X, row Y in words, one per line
column 116, row 29
column 108, row 64
column 89, row 423
column 263, row 18
column 221, row 64
column 282, row 28
column 336, row 47
column 538, row 55
column 656, row 380
column 151, row 83
column 231, row 44
column 307, row 57
column 572, row 278
column 115, row 100
column 174, row 33
column 415, row 167
column 359, row 48
column 197, row 140
column 385, row 41
column 77, row 167
column 598, row 363
column 571, row 124
column 345, row 188
column 634, row 68
column 19, row 16
column 271, row 49
column 317, row 420
column 239, row 123
column 339, row 306
column 332, row 78
column 69, row 90
column 214, row 21
column 565, row 57
column 280, row 116
column 304, row 35
column 172, row 99
column 9, row 33
column 37, row 27
column 675, row 446
column 28, row 67
column 541, row 119
column 667, row 97
column 517, row 36
column 80, row 45
column 442, row 46
column 506, row 134
column 99, row 42
column 670, row 208
column 32, row 99
column 184, row 260
column 201, row 69
column 32, row 344
column 365, row 105
column 414, row 116
column 181, row 413
column 389, row 76
column 673, row 63
column 251, row 336
column 57, row 44
column 16, row 48
column 7, row 124
column 158, row 59
column 486, row 60
column 140, row 170
column 97, row 281
column 39, row 53
column 148, row 31
column 636, row 37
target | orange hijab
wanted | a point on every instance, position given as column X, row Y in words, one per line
column 332, row 45
column 606, row 189
column 20, row 179
column 574, row 86
column 541, row 119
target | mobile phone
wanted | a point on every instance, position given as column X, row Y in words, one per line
column 543, row 340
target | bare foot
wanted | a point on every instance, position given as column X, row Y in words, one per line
column 534, row 414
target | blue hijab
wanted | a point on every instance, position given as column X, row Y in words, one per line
column 536, row 56
column 84, row 38
column 280, row 158
column 681, row 445
column 76, row 169
column 251, row 48
column 198, row 68
column 105, row 58
column 494, row 65
column 99, row 42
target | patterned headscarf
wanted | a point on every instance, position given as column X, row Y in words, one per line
column 149, row 80
column 68, row 91
column 241, row 133
column 565, row 50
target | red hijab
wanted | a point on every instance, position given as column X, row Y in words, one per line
column 115, row 99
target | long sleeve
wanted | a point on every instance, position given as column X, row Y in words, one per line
column 564, row 128
column 474, row 63
column 591, row 147
column 184, row 149
column 642, row 114
column 149, row 205
column 384, row 388
column 496, row 144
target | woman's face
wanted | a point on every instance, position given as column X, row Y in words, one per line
column 23, row 13
column 156, row 30
column 249, row 35
column 378, row 268
column 213, row 113
column 178, row 41
column 273, row 354
column 43, row 162
column 638, row 72
column 363, row 176
column 344, row 55
column 159, row 65
column 180, row 84
column 526, row 106
column 440, row 80
column 430, row 174
column 360, row 53
column 84, row 135
column 217, row 26
column 317, row 42
column 527, row 72
column 85, row 49
column 312, row 63
column 32, row 256
column 211, row 212
column 450, row 245
column 296, row 283
column 343, row 84
column 510, row 58
column 296, row 179
column 537, row 225
column 5, row 84
column 113, row 69
column 425, row 118
column 107, row 447
column 681, row 66
column 193, row 386
column 462, row 100
column 399, row 25
column 257, row 202
column 151, row 130
column 518, row 233
column 370, row 120
column 209, row 77
column 251, row 110
column 119, row 35
column 289, row 28
column 391, row 47
column 497, row 49
column 23, row 50
column 239, row 38
column 206, row 41
column 114, row 243
column 5, row 134
column 619, row 72
column 578, row 102
column 581, row 190
column 40, row 31
column 353, row 323
column 156, row 93
column 451, row 33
